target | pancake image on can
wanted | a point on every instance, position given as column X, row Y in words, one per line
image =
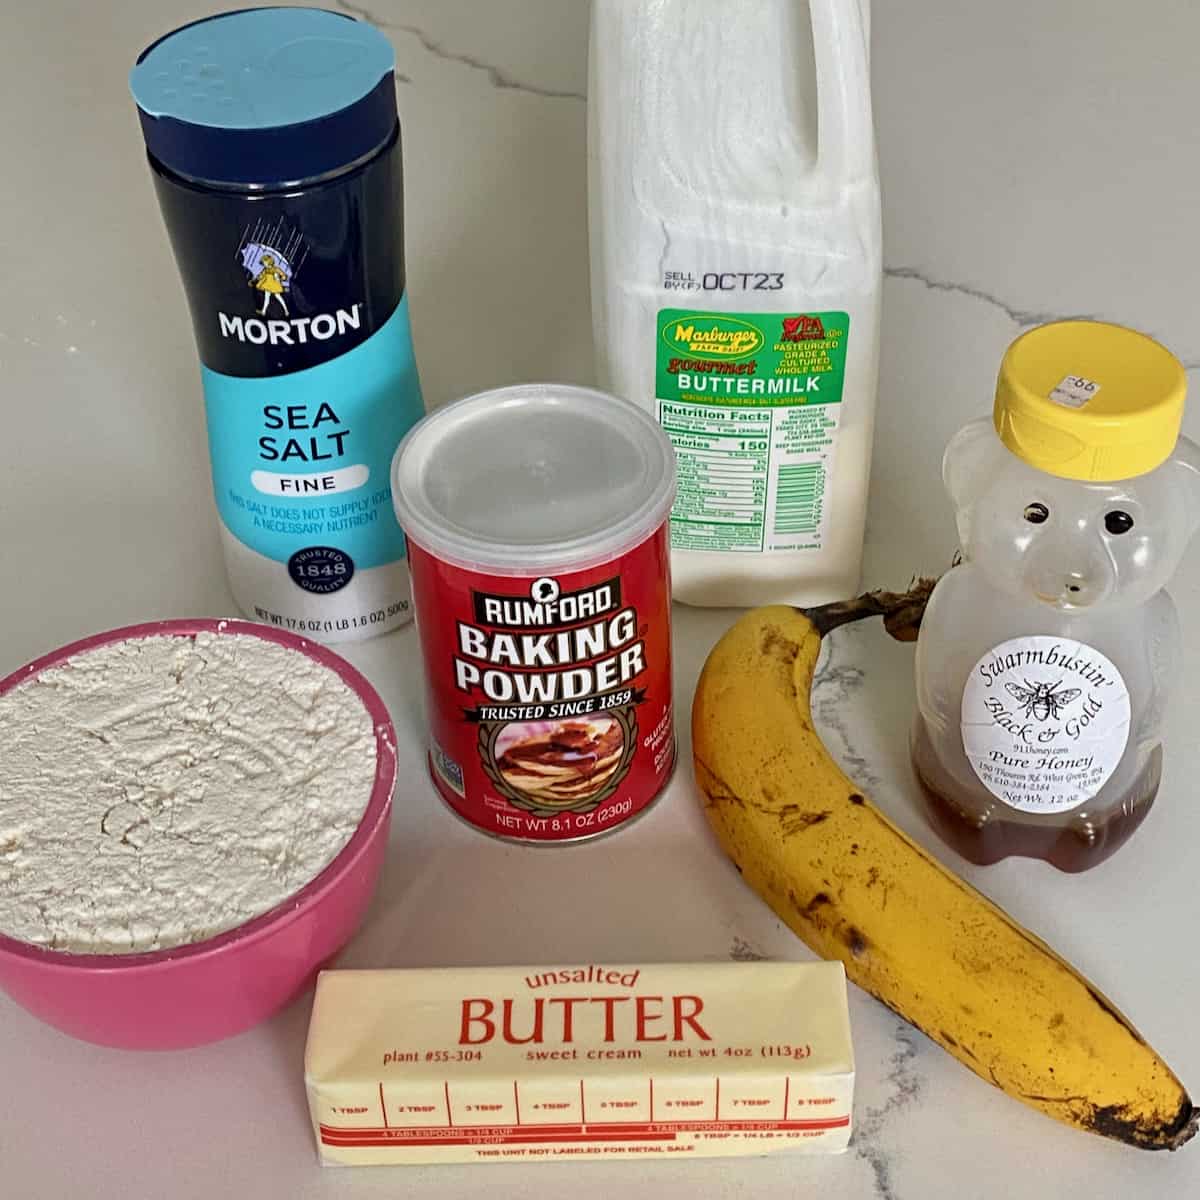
column 561, row 765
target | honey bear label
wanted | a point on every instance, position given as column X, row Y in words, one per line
column 1045, row 722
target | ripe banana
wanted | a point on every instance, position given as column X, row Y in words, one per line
column 909, row 931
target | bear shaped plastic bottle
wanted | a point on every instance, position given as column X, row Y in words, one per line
column 1046, row 656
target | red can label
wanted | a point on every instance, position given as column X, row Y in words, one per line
column 548, row 696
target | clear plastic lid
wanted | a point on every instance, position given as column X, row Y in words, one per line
column 533, row 478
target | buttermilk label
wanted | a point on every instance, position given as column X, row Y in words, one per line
column 549, row 653
column 756, row 399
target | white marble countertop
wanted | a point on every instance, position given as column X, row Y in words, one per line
column 1038, row 161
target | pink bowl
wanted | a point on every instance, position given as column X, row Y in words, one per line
column 189, row 995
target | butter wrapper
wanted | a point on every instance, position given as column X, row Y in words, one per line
column 516, row 1063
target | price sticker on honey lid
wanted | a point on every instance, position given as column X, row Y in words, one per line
column 1074, row 391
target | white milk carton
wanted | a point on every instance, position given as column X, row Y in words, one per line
column 736, row 269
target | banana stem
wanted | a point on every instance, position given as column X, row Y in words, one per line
column 901, row 611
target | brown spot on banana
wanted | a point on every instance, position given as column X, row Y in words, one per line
column 793, row 819
column 1117, row 1122
column 1106, row 1006
column 1113, row 1121
column 726, row 792
column 776, row 645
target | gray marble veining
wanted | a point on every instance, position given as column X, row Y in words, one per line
column 499, row 77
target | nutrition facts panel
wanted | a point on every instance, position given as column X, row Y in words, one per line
column 752, row 404
column 722, row 456
column 749, row 478
column 515, row 1117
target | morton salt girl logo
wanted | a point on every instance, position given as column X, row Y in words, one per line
column 708, row 336
column 271, row 256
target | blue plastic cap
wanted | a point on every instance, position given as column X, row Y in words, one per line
column 266, row 96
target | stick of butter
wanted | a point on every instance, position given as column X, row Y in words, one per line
column 519, row 1063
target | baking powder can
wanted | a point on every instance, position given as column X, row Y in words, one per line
column 537, row 524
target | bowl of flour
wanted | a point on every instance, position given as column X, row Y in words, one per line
column 193, row 817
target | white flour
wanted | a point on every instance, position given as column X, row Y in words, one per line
column 158, row 791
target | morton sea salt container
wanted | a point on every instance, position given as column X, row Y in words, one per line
column 275, row 148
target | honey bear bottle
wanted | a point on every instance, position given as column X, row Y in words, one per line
column 1046, row 656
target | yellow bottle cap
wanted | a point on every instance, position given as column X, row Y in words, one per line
column 1088, row 400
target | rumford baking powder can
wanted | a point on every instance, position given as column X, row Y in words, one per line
column 536, row 519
